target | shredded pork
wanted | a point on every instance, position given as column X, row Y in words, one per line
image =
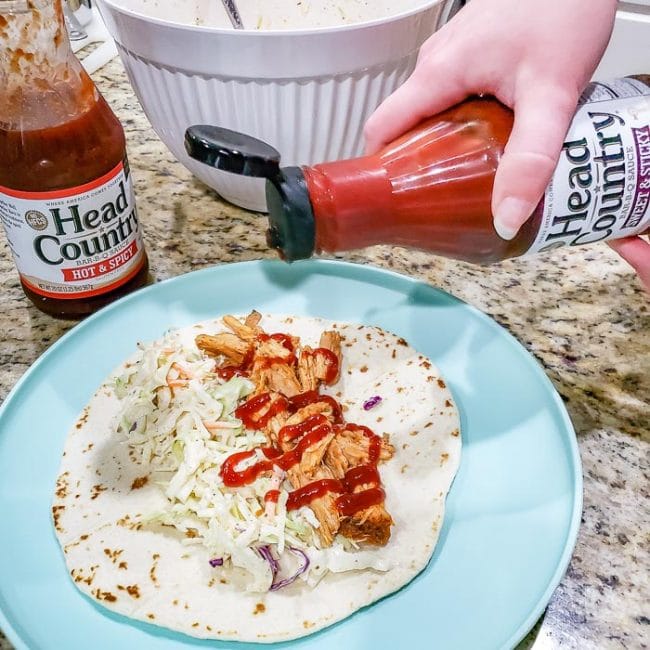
column 276, row 369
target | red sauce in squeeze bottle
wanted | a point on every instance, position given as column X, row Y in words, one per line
column 431, row 189
column 66, row 196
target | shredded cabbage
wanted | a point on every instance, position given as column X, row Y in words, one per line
column 179, row 416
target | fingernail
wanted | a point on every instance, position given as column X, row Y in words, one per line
column 510, row 215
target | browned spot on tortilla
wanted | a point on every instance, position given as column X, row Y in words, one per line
column 133, row 591
column 307, row 624
column 363, row 369
column 150, row 616
column 122, row 565
column 62, row 485
column 401, row 341
column 78, row 575
column 400, row 389
column 403, row 469
column 191, row 533
column 413, row 433
column 152, row 573
column 56, row 513
column 443, row 459
column 447, row 403
column 260, row 608
column 208, row 628
column 368, row 336
column 186, row 606
column 104, row 595
column 83, row 419
column 394, row 353
column 155, row 556
column 97, row 490
column 139, row 482
column 428, row 424
column 175, row 601
column 426, row 364
column 223, row 581
column 455, row 433
column 441, row 383
column 405, row 445
column 113, row 555
column 127, row 523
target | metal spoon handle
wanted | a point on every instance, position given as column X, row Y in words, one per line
column 233, row 13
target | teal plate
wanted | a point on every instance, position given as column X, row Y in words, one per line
column 512, row 514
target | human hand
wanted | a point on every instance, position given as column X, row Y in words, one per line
column 636, row 252
column 535, row 57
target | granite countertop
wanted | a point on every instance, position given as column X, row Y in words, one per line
column 581, row 313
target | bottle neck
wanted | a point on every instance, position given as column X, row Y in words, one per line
column 351, row 202
column 43, row 82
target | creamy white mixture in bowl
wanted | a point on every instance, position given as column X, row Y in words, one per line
column 304, row 75
column 274, row 14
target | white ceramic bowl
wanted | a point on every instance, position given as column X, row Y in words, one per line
column 306, row 92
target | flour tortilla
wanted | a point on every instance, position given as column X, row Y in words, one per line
column 150, row 575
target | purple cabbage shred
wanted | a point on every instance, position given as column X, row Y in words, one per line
column 216, row 561
column 287, row 581
column 371, row 402
column 266, row 553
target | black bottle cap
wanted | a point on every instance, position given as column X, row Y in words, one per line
column 292, row 231
column 231, row 151
column 291, row 220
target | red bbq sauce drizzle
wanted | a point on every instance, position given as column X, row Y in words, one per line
column 291, row 431
column 313, row 396
column 272, row 496
column 360, row 475
column 374, row 447
column 256, row 412
column 349, row 504
column 242, row 370
column 304, row 495
column 233, row 477
column 331, row 363
column 284, row 339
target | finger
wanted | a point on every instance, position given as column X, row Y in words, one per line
column 636, row 252
column 434, row 86
column 541, row 121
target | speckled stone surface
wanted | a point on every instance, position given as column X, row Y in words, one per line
column 581, row 313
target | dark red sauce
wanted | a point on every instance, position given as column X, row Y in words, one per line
column 349, row 504
column 291, row 431
column 303, row 496
column 272, row 496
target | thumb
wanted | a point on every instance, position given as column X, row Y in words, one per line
column 636, row 252
column 432, row 87
column 542, row 117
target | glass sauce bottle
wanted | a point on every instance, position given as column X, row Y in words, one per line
column 431, row 189
column 66, row 195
